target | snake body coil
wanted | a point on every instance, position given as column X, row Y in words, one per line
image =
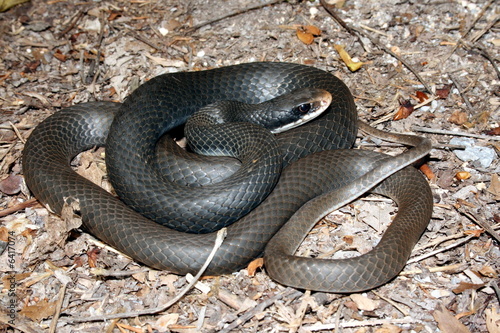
column 164, row 103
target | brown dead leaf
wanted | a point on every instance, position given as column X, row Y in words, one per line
column 463, row 286
column 114, row 15
column 254, row 265
column 493, row 131
column 444, row 92
column 389, row 328
column 60, row 56
column 92, row 255
column 421, row 96
column 304, row 36
column 312, row 29
column 364, row 303
column 447, row 323
column 348, row 239
column 492, row 320
column 4, row 234
column 41, row 310
column 426, row 170
column 488, row 271
column 405, row 109
column 495, row 186
column 458, row 118
column 474, row 232
column 11, row 185
column 462, row 175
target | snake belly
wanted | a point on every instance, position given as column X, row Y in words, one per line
column 59, row 138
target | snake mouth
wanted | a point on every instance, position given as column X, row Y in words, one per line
column 318, row 103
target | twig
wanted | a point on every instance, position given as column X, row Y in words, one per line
column 485, row 54
column 94, row 65
column 489, row 229
column 357, row 32
column 446, row 248
column 106, row 272
column 360, row 323
column 60, row 300
column 238, row 12
column 72, row 23
column 289, row 293
column 445, row 132
column 485, row 29
column 22, row 205
column 494, row 284
column 453, row 268
column 461, row 92
column 469, row 28
column 18, row 134
column 143, row 39
column 221, row 234
column 391, row 302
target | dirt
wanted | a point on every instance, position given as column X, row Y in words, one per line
column 58, row 53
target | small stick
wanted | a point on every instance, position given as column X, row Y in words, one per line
column 72, row 23
column 221, row 234
column 461, row 92
column 238, row 12
column 485, row 54
column 446, row 248
column 453, row 133
column 477, row 18
column 391, row 302
column 22, row 205
column 289, row 293
column 436, row 269
column 357, row 32
column 489, row 229
column 53, row 323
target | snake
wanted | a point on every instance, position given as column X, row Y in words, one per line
column 322, row 172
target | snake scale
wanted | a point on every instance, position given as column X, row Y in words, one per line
column 306, row 191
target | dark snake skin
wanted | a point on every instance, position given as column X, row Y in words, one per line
column 166, row 101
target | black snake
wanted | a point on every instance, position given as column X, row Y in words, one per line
column 164, row 103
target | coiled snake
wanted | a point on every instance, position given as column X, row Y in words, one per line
column 165, row 102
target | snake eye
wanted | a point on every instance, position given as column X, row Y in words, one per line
column 304, row 108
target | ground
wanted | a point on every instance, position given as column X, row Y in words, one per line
column 58, row 53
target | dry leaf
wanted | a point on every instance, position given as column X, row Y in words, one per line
column 389, row 328
column 346, row 58
column 313, row 30
column 305, row 37
column 463, row 286
column 458, row 118
column 493, row 131
column 447, row 323
column 495, row 186
column 254, row 265
column 11, row 185
column 166, row 62
column 426, row 170
column 492, row 320
column 462, row 175
column 163, row 323
column 421, row 96
column 7, row 4
column 363, row 302
column 488, row 271
column 41, row 310
column 444, row 92
column 92, row 255
column 405, row 109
